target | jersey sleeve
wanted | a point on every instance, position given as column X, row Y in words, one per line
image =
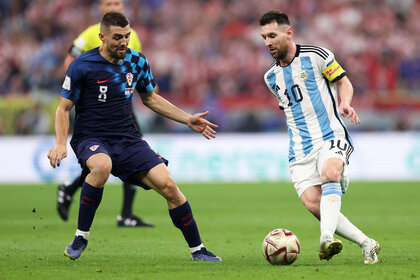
column 330, row 68
column 71, row 88
column 146, row 83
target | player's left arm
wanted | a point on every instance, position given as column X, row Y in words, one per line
column 345, row 90
column 334, row 73
column 163, row 107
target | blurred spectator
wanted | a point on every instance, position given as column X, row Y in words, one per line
column 33, row 121
column 199, row 48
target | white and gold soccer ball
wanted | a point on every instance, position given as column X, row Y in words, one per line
column 281, row 247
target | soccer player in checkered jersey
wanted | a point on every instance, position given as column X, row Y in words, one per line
column 100, row 83
column 88, row 40
column 305, row 80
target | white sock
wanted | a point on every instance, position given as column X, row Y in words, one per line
column 349, row 231
column 330, row 209
column 84, row 234
column 195, row 249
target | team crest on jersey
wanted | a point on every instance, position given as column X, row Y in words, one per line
column 94, row 147
column 129, row 77
column 303, row 76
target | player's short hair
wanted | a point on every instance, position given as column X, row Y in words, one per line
column 113, row 19
column 274, row 15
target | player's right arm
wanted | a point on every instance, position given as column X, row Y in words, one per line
column 69, row 95
column 59, row 151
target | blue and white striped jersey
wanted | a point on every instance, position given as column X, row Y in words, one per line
column 306, row 92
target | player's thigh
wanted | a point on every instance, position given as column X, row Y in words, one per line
column 100, row 162
column 333, row 157
column 304, row 174
column 93, row 153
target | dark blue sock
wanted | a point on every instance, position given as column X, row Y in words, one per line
column 90, row 198
column 183, row 219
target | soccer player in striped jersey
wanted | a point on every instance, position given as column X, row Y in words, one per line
column 100, row 84
column 88, row 40
column 305, row 80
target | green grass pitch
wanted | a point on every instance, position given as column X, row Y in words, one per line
column 233, row 220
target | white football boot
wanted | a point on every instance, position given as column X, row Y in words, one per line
column 370, row 249
column 329, row 248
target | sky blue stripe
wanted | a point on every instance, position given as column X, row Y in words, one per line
column 328, row 188
column 331, row 188
column 271, row 77
column 292, row 156
column 315, row 96
column 332, row 192
column 337, row 185
column 297, row 112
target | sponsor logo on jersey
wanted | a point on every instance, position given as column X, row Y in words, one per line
column 103, row 81
column 129, row 92
column 94, row 147
column 129, row 77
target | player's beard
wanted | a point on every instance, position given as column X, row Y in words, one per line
column 115, row 53
column 279, row 54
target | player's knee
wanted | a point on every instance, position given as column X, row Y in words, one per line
column 169, row 185
column 102, row 169
column 170, row 189
column 331, row 174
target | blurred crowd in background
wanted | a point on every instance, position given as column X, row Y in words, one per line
column 209, row 55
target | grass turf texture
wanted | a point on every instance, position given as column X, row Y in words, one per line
column 233, row 220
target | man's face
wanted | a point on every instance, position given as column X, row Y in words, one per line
column 276, row 39
column 107, row 6
column 116, row 40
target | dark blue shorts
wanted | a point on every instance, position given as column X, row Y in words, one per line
column 128, row 155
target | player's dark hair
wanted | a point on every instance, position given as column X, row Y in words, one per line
column 113, row 19
column 274, row 15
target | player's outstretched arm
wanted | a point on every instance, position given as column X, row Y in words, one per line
column 163, row 107
column 201, row 125
column 59, row 151
column 345, row 90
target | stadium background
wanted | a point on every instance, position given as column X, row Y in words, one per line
column 209, row 55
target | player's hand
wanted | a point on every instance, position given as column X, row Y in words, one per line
column 56, row 154
column 201, row 125
column 348, row 112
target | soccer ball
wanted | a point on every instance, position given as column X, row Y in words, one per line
column 281, row 247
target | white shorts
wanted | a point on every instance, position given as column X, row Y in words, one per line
column 306, row 172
